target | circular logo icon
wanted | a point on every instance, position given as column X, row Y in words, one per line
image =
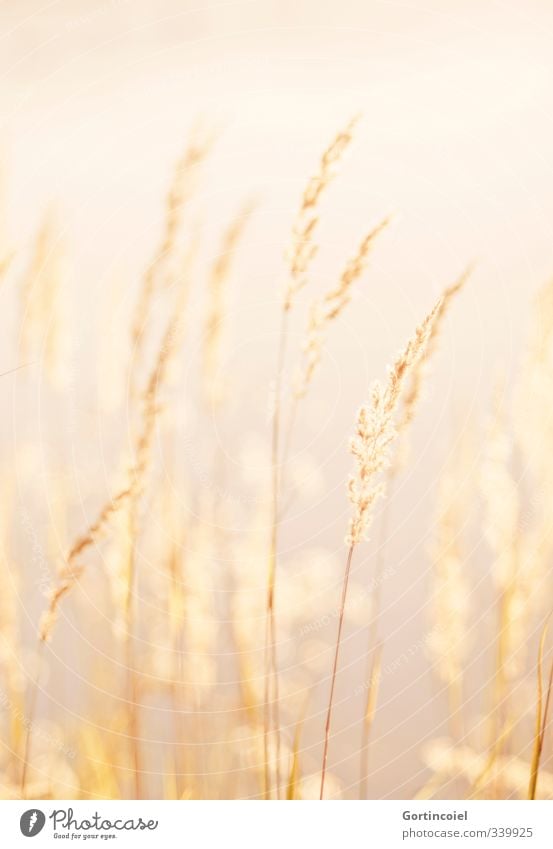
column 32, row 822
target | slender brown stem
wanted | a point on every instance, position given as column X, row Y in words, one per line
column 542, row 714
column 335, row 667
column 17, row 368
column 287, row 445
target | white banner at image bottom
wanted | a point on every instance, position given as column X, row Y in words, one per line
column 274, row 825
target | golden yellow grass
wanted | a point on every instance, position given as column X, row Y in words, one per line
column 167, row 649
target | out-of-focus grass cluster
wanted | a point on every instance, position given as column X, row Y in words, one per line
column 183, row 626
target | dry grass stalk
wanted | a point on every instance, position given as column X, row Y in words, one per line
column 72, row 568
column 376, row 431
column 371, row 446
column 216, row 302
column 302, row 253
column 160, row 272
column 521, row 549
column 374, row 670
column 409, row 403
column 542, row 716
column 329, row 308
column 158, row 376
column 137, row 472
column 419, row 374
column 294, row 774
column 303, row 248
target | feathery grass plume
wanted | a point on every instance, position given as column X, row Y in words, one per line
column 169, row 343
column 419, row 374
column 409, row 403
column 160, row 273
column 371, row 446
column 300, row 256
column 330, row 307
column 212, row 384
column 72, row 568
column 448, row 643
column 376, row 431
column 303, row 248
column 542, row 715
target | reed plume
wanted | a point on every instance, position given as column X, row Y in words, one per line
column 376, row 431
column 158, row 376
column 419, row 375
column 204, row 692
column 303, row 248
column 409, row 402
column 329, row 308
column 371, row 447
column 161, row 273
column 214, row 319
column 300, row 256
column 72, row 568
